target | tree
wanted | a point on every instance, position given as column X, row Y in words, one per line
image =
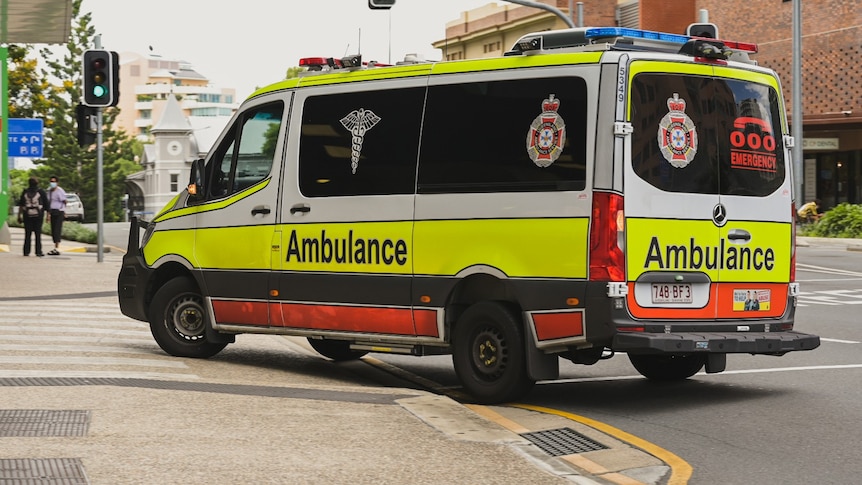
column 26, row 87
column 74, row 165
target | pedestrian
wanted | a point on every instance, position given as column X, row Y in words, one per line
column 31, row 210
column 810, row 212
column 57, row 213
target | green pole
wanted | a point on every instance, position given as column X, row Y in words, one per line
column 5, row 236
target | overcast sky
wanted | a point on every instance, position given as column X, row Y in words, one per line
column 251, row 43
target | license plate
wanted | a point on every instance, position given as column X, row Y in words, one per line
column 671, row 293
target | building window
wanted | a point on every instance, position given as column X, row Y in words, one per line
column 455, row 56
column 145, row 114
column 175, row 182
column 492, row 47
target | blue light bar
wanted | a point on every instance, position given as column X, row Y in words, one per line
column 635, row 33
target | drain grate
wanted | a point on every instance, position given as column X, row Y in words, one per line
column 52, row 471
column 40, row 422
column 563, row 441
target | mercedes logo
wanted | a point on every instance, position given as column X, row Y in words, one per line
column 719, row 215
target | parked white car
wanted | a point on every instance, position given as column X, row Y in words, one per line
column 74, row 208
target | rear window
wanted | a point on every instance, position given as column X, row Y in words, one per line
column 706, row 135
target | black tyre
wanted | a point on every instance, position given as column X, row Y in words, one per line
column 337, row 350
column 178, row 319
column 674, row 367
column 489, row 354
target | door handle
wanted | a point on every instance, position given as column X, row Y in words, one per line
column 260, row 210
column 738, row 235
column 303, row 208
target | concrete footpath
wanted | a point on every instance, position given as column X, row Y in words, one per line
column 294, row 421
column 295, row 426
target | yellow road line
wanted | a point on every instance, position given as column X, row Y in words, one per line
column 496, row 417
column 680, row 470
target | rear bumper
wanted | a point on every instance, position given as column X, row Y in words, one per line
column 773, row 343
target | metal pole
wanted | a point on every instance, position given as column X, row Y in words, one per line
column 580, row 14
column 100, row 203
column 796, row 128
column 549, row 8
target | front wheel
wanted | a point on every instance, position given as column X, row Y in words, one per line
column 178, row 320
column 672, row 367
column 337, row 350
column 489, row 355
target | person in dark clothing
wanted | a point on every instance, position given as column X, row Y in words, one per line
column 31, row 210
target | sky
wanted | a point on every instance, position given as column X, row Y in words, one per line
column 251, row 43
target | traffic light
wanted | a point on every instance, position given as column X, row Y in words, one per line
column 707, row 30
column 101, row 83
column 380, row 4
column 86, row 117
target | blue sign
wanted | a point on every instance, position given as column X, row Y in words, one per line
column 25, row 137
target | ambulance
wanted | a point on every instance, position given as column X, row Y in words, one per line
column 595, row 191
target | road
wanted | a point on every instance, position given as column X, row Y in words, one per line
column 790, row 420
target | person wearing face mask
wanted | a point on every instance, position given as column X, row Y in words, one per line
column 57, row 213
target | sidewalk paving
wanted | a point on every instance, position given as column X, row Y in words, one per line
column 298, row 427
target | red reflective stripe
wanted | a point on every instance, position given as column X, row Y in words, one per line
column 550, row 326
column 241, row 312
column 395, row 321
column 426, row 323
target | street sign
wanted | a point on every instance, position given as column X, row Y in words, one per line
column 25, row 137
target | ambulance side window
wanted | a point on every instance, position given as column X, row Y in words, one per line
column 255, row 133
column 360, row 143
column 505, row 136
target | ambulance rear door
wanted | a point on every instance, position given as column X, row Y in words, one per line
column 707, row 195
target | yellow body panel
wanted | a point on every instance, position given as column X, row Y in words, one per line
column 679, row 245
column 551, row 248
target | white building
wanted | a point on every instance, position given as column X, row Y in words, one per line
column 146, row 82
column 166, row 162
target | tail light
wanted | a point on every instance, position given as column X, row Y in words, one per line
column 607, row 238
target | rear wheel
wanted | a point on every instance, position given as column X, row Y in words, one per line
column 178, row 320
column 673, row 367
column 337, row 350
column 489, row 354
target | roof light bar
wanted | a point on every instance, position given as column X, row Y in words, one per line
column 594, row 33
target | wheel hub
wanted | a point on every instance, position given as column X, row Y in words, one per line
column 188, row 318
column 489, row 353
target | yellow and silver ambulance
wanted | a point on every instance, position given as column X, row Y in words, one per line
column 594, row 191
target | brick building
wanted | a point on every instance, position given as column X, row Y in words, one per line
column 832, row 78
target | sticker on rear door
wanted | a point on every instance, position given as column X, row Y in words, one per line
column 752, row 145
column 677, row 137
column 751, row 300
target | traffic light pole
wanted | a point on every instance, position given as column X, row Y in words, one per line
column 100, row 204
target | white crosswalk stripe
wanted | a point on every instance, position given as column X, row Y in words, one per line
column 80, row 338
column 830, row 297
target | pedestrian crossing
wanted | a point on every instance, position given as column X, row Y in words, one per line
column 830, row 297
column 80, row 338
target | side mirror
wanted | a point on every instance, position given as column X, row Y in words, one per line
column 196, row 188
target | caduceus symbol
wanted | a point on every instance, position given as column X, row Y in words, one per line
column 358, row 122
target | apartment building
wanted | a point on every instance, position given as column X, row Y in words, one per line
column 831, row 46
column 147, row 81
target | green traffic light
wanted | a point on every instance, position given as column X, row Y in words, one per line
column 99, row 91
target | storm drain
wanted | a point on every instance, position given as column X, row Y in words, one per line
column 40, row 422
column 52, row 471
column 563, row 441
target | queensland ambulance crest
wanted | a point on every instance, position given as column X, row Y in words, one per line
column 677, row 137
column 547, row 134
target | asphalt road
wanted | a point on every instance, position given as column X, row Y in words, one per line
column 791, row 420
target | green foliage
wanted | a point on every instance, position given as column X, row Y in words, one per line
column 844, row 221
